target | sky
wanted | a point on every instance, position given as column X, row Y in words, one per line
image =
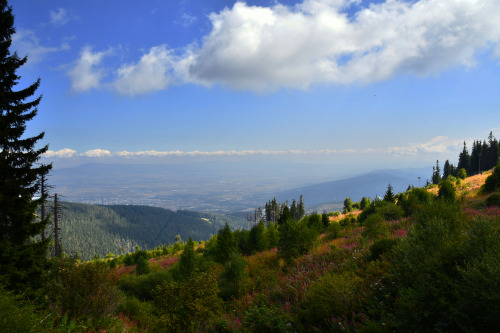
column 342, row 82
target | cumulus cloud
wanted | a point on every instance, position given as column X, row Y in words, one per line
column 63, row 153
column 262, row 49
column 86, row 74
column 59, row 17
column 97, row 153
column 150, row 74
column 25, row 42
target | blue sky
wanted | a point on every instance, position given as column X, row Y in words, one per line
column 386, row 83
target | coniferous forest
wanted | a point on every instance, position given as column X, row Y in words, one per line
column 424, row 260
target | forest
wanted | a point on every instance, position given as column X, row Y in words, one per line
column 89, row 231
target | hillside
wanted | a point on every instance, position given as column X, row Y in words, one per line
column 98, row 230
column 370, row 185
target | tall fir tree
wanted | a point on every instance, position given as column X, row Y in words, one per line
column 464, row 160
column 389, row 194
column 22, row 260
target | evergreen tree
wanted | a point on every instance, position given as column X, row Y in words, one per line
column 187, row 260
column 225, row 244
column 347, row 205
column 302, row 208
column 389, row 194
column 436, row 174
column 446, row 169
column 21, row 259
column 294, row 209
column 464, row 160
column 325, row 219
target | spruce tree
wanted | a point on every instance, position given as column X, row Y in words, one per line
column 22, row 259
column 389, row 194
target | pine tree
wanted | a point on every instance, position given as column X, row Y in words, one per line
column 464, row 160
column 436, row 173
column 22, row 260
column 302, row 208
column 389, row 194
column 446, row 169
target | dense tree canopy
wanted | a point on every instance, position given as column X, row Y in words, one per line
column 21, row 259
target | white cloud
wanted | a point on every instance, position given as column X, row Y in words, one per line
column 97, row 153
column 25, row 42
column 86, row 74
column 314, row 42
column 59, row 17
column 263, row 48
column 63, row 153
column 439, row 144
column 151, row 73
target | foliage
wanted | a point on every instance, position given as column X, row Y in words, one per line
column 295, row 239
column 462, row 173
column 234, row 276
column 333, row 295
column 365, row 202
column 389, row 194
column 92, row 229
column 375, row 226
column 381, row 247
column 493, row 200
column 266, row 320
column 492, row 183
column 17, row 316
column 22, row 260
column 191, row 305
column 142, row 287
column 187, row 262
column 86, row 290
column 447, row 191
column 347, row 205
column 414, row 200
column 225, row 244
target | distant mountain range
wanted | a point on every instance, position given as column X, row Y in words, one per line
column 221, row 187
column 369, row 185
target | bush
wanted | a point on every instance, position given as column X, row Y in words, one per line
column 86, row 290
column 191, row 305
column 492, row 183
column 333, row 295
column 375, row 226
column 17, row 316
column 265, row 319
column 447, row 191
column 462, row 174
column 143, row 286
column 381, row 247
column 493, row 200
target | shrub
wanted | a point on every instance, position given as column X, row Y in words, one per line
column 447, row 191
column 86, row 290
column 375, row 226
column 17, row 316
column 390, row 211
column 492, row 183
column 493, row 200
column 295, row 239
column 191, row 305
column 381, row 247
column 143, row 286
column 333, row 295
column 462, row 174
column 266, row 319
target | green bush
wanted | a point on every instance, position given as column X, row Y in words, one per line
column 143, row 286
column 493, row 200
column 191, row 305
column 381, row 247
column 447, row 191
column 375, row 226
column 492, row 183
column 264, row 319
column 83, row 290
column 333, row 295
column 18, row 316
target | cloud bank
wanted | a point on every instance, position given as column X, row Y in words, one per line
column 438, row 144
column 315, row 42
